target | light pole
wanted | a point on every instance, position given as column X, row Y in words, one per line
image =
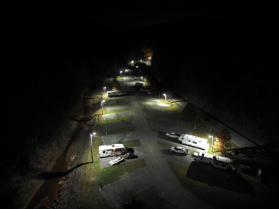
column 165, row 95
column 102, row 104
column 91, row 143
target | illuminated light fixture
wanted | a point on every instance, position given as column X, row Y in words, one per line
column 165, row 95
column 121, row 72
column 132, row 62
column 137, row 66
column 104, row 88
column 149, row 58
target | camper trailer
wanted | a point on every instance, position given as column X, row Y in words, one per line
column 113, row 93
column 111, row 150
column 194, row 141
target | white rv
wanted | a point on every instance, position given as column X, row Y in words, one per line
column 111, row 150
column 113, row 93
column 194, row 141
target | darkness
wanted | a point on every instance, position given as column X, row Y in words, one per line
column 54, row 46
column 53, row 49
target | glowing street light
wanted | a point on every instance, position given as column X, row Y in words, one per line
column 104, row 88
column 92, row 135
column 132, row 62
column 102, row 104
column 165, row 95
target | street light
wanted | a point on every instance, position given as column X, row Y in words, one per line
column 92, row 135
column 102, row 104
column 105, row 88
column 165, row 95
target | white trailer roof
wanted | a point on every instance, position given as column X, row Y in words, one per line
column 112, row 146
column 195, row 138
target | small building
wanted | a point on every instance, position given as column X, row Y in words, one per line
column 194, row 141
column 111, row 150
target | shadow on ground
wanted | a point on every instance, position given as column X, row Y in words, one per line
column 168, row 152
column 225, row 179
column 51, row 175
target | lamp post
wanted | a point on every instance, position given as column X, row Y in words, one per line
column 165, row 95
column 91, row 144
column 102, row 104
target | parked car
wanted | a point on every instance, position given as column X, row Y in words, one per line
column 116, row 160
column 172, row 134
column 179, row 150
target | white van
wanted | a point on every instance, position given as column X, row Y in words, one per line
column 111, row 150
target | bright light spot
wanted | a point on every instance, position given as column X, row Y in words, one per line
column 121, row 72
column 149, row 58
column 137, row 66
column 163, row 105
column 132, row 61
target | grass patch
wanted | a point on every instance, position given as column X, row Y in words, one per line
column 114, row 98
column 165, row 144
column 118, row 131
column 115, row 120
column 119, row 78
column 132, row 143
column 116, row 110
column 114, row 173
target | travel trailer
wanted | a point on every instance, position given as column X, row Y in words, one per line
column 111, row 150
column 194, row 141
